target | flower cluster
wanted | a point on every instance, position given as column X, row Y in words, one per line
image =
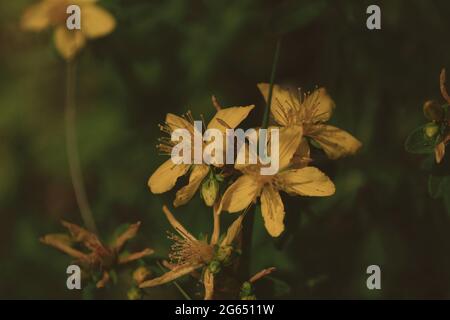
column 301, row 123
column 301, row 120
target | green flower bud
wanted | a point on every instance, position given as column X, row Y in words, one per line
column 224, row 254
column 134, row 294
column 210, row 190
column 214, row 267
column 246, row 289
column 433, row 111
column 430, row 130
column 251, row 297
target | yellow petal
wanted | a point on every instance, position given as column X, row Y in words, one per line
column 128, row 234
column 232, row 231
column 173, row 274
column 285, row 103
column 229, row 118
column 135, row 256
column 177, row 225
column 165, row 177
column 335, row 142
column 208, row 282
column 439, row 152
column 68, row 42
column 63, row 243
column 272, row 210
column 96, row 21
column 318, row 105
column 199, row 172
column 289, row 141
column 216, row 218
column 79, row 234
column 302, row 157
column 176, row 122
column 240, row 194
column 36, row 17
column 308, row 181
column 244, row 164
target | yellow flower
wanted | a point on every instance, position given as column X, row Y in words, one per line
column 95, row 22
column 189, row 253
column 100, row 257
column 311, row 112
column 165, row 177
column 304, row 181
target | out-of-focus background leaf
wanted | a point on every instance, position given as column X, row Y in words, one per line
column 171, row 55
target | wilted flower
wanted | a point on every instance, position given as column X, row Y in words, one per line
column 304, row 181
column 96, row 22
column 311, row 111
column 189, row 253
column 100, row 257
column 165, row 177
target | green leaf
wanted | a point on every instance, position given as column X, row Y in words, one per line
column 418, row 143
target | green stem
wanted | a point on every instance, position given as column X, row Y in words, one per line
column 247, row 234
column 265, row 122
column 73, row 157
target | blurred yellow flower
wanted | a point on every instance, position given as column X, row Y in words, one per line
column 189, row 254
column 165, row 177
column 311, row 111
column 304, row 181
column 101, row 257
column 95, row 22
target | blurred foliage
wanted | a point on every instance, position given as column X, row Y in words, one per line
column 171, row 55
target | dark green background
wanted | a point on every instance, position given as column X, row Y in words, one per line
column 170, row 56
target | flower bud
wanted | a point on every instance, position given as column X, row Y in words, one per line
column 246, row 289
column 141, row 274
column 214, row 266
column 134, row 294
column 433, row 111
column 430, row 130
column 210, row 190
column 224, row 254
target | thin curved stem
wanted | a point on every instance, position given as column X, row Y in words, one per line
column 265, row 121
column 73, row 157
column 247, row 234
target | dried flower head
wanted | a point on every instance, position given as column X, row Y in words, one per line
column 189, row 253
column 100, row 257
